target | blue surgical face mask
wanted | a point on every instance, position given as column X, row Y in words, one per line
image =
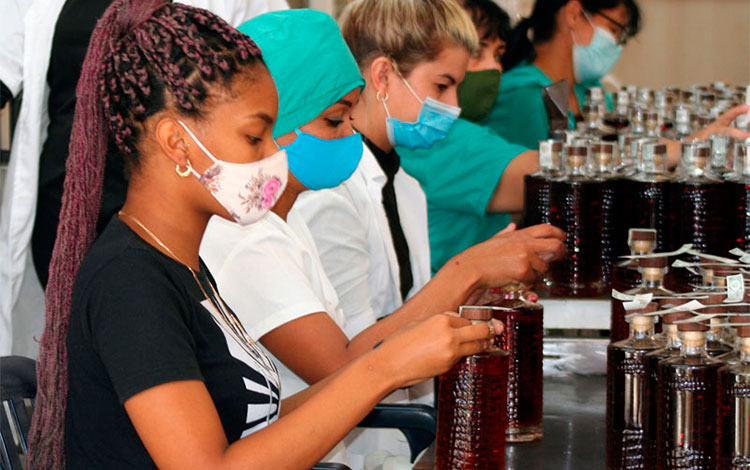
column 319, row 163
column 594, row 61
column 433, row 124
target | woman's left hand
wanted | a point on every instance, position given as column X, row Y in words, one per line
column 723, row 125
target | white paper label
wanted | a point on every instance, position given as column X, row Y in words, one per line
column 735, row 288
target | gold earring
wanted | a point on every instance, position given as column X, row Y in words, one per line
column 380, row 97
column 183, row 173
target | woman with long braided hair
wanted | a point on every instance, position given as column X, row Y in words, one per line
column 141, row 363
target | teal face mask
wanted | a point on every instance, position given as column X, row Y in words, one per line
column 594, row 61
column 323, row 163
column 433, row 124
column 477, row 94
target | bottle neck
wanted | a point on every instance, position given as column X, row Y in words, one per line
column 673, row 337
column 641, row 333
column 693, row 343
column 652, row 282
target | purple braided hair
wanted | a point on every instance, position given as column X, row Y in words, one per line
column 142, row 55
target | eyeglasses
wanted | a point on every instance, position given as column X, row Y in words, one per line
column 624, row 35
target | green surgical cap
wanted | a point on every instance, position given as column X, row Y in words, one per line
column 309, row 61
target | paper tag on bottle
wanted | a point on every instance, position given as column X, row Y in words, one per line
column 712, row 257
column 700, row 317
column 744, row 257
column 682, row 250
column 735, row 288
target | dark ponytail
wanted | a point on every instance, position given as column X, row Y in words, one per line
column 143, row 55
column 542, row 25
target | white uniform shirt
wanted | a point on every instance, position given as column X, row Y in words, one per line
column 26, row 32
column 353, row 237
column 269, row 273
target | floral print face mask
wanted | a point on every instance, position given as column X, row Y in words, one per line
column 246, row 190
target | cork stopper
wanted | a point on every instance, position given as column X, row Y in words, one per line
column 745, row 341
column 693, row 338
column 604, row 153
column 714, row 299
column 656, row 262
column 670, row 329
column 475, row 313
column 670, row 318
column 576, row 155
column 638, row 234
column 641, row 322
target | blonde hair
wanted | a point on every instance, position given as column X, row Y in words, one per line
column 407, row 31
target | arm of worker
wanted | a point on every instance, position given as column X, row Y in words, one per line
column 723, row 126
column 509, row 193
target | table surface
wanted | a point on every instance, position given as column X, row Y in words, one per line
column 574, row 429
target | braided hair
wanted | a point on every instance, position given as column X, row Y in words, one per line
column 144, row 56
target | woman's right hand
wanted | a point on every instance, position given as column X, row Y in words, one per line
column 514, row 255
column 431, row 347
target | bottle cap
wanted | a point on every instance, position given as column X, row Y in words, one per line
column 646, row 234
column 669, row 303
column 641, row 322
column 549, row 154
column 475, row 313
column 658, row 262
column 692, row 326
column 714, row 299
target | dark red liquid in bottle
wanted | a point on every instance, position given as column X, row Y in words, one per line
column 627, row 393
column 536, row 201
column 734, row 417
column 616, row 121
column 471, row 416
column 522, row 338
column 739, row 201
column 625, row 275
column 687, row 413
column 651, row 402
column 701, row 220
column 576, row 207
column 647, row 206
column 614, row 230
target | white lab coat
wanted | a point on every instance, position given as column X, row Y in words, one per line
column 351, row 230
column 26, row 32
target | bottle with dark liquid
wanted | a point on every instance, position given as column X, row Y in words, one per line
column 663, row 100
column 647, row 194
column 738, row 184
column 612, row 236
column 715, row 286
column 576, row 208
column 590, row 127
column 682, row 123
column 618, row 121
column 652, row 272
column 625, row 275
column 734, row 409
column 627, row 390
column 687, row 405
column 537, row 185
column 733, row 357
column 522, row 339
column 671, row 349
column 699, row 202
column 471, row 425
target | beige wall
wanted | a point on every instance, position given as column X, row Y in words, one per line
column 689, row 41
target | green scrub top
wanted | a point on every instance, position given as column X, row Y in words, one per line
column 459, row 175
column 519, row 114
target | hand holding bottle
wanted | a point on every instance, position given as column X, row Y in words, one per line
column 723, row 125
column 431, row 347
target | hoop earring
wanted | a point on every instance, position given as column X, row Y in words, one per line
column 380, row 97
column 186, row 172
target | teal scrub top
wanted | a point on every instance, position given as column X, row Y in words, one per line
column 459, row 175
column 519, row 114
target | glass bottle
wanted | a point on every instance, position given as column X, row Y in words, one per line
column 471, row 427
column 537, row 185
column 618, row 120
column 637, row 117
column 628, row 154
column 651, row 123
column 682, row 124
column 591, row 119
column 576, row 208
column 663, row 105
column 613, row 230
column 734, row 409
column 652, row 273
column 699, row 202
column 715, row 286
column 522, row 338
column 738, row 184
column 671, row 349
column 627, row 390
column 647, row 194
column 625, row 275
column 687, row 405
column 720, row 147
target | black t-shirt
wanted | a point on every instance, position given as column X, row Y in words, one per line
column 69, row 45
column 137, row 321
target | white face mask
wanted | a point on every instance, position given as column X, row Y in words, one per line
column 246, row 190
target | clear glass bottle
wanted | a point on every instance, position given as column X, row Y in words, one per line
column 687, row 405
column 738, row 184
column 627, row 392
column 682, row 123
column 537, row 185
column 671, row 349
column 699, row 202
column 651, row 123
column 590, row 126
column 522, row 338
column 720, row 149
column 644, row 97
column 734, row 409
column 652, row 272
column 618, row 120
column 471, row 427
column 647, row 194
column 637, row 118
column 603, row 159
column 576, row 208
column 625, row 274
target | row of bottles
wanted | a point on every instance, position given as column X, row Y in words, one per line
column 595, row 193
column 489, row 399
column 680, row 400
